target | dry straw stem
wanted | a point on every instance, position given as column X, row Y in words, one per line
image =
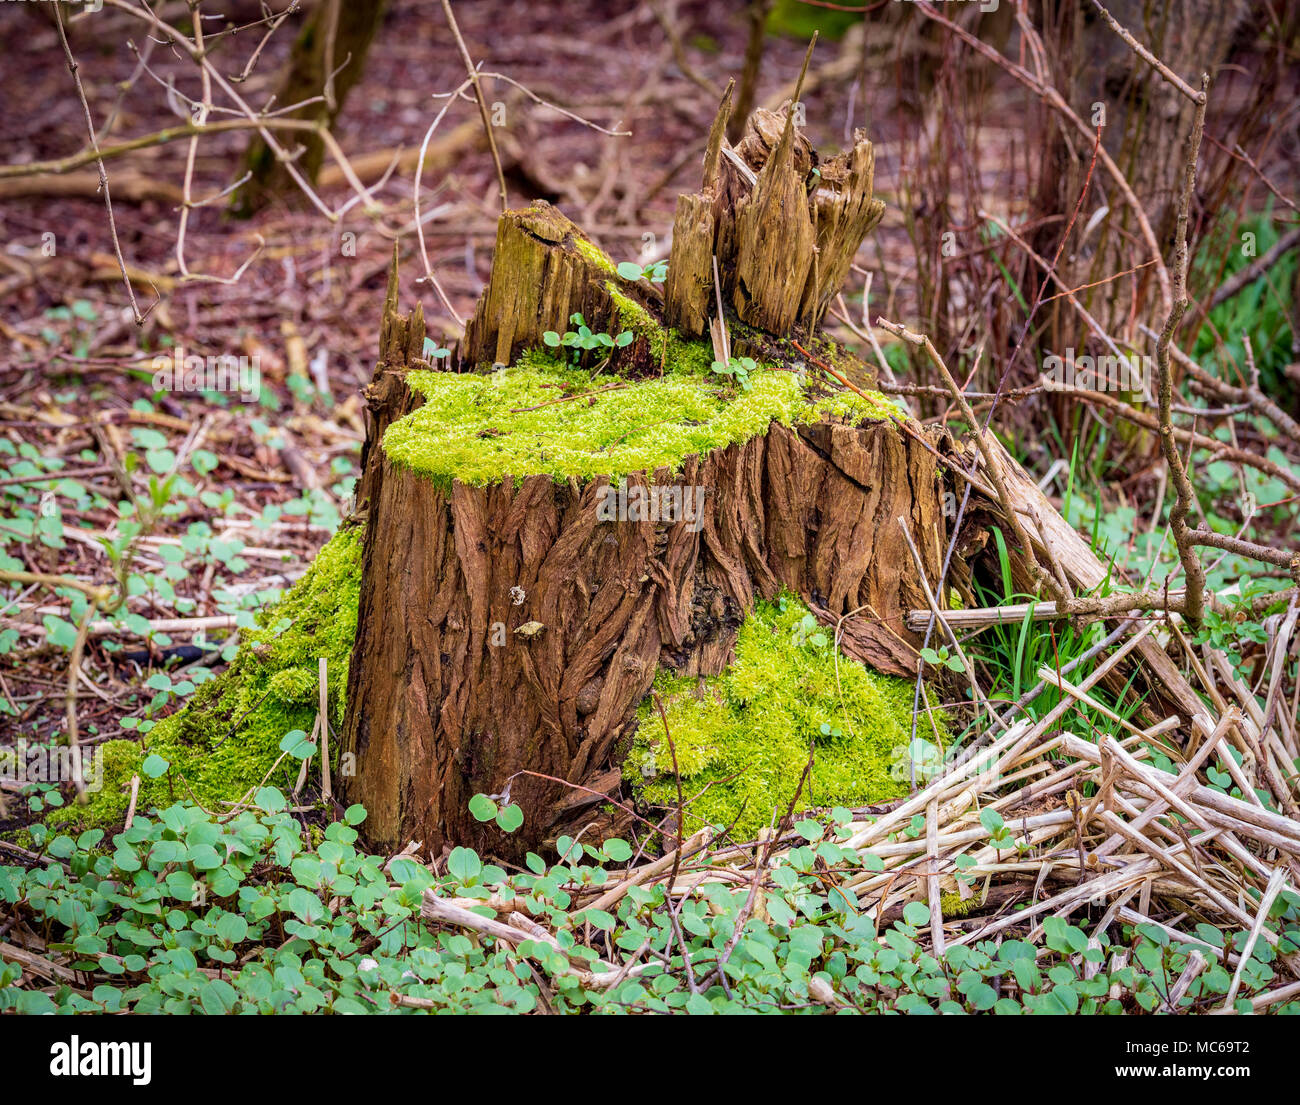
column 981, row 617
column 977, row 695
column 515, row 932
column 932, row 880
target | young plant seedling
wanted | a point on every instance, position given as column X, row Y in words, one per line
column 656, row 273
column 738, row 368
column 583, row 339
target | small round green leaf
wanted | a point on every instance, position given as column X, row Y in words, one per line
column 482, row 807
column 154, row 765
column 510, row 818
column 916, row 914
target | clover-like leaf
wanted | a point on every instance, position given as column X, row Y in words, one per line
column 510, row 818
column 482, row 807
column 916, row 914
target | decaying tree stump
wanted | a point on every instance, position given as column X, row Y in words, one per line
column 509, row 628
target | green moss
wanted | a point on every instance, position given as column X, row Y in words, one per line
column 684, row 357
column 594, row 254
column 744, row 735
column 480, row 428
column 633, row 316
column 694, row 357
column 954, row 905
column 294, row 686
column 227, row 737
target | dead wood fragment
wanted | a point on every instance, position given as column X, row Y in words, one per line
column 544, row 271
column 783, row 226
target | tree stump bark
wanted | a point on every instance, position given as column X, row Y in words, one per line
column 508, row 632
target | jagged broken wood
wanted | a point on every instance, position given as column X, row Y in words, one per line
column 783, row 226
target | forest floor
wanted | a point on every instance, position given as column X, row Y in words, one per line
column 240, row 496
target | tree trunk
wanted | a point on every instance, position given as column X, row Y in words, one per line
column 512, row 628
column 328, row 57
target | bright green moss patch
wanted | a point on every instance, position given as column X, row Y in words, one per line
column 272, row 687
column 632, row 314
column 954, row 905
column 594, row 254
column 744, row 735
column 480, row 428
column 228, row 735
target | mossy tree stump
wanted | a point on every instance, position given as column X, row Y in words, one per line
column 516, row 606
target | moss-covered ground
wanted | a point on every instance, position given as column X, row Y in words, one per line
column 228, row 735
column 742, row 738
